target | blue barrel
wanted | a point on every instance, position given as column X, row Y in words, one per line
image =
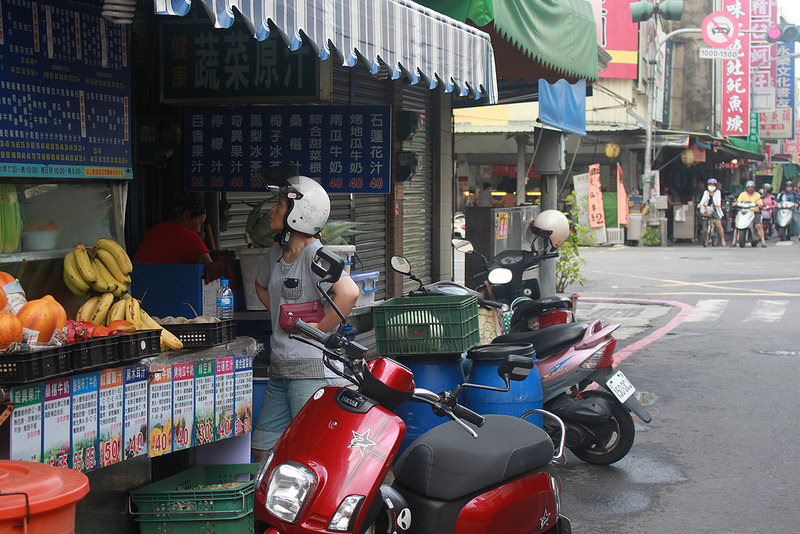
column 524, row 395
column 436, row 373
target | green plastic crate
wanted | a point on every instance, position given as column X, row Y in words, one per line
column 165, row 507
column 426, row 325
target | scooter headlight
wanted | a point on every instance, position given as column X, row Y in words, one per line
column 263, row 468
column 290, row 486
column 343, row 518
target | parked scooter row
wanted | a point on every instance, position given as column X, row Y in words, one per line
column 474, row 474
column 572, row 359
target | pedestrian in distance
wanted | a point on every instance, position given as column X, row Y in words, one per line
column 485, row 196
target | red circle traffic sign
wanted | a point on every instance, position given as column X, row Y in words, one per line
column 719, row 29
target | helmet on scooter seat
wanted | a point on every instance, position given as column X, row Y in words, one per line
column 309, row 205
column 749, row 183
column 550, row 227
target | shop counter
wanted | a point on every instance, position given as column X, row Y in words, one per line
column 112, row 423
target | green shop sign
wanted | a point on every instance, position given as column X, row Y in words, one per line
column 200, row 63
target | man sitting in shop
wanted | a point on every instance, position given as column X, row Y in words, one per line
column 177, row 238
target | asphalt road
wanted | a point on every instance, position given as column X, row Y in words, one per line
column 721, row 454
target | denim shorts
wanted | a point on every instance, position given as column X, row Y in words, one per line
column 283, row 399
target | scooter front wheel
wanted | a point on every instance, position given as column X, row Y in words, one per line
column 612, row 439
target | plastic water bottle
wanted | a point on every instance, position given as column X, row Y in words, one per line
column 224, row 301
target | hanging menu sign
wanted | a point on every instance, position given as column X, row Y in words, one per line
column 223, row 405
column 64, row 92
column 84, row 421
column 160, row 414
column 346, row 148
column 597, row 216
column 56, row 436
column 110, row 416
column 183, row 406
column 134, row 431
column 243, row 371
column 204, row 402
column 26, row 423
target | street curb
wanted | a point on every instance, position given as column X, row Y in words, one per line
column 673, row 323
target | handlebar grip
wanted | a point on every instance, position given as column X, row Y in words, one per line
column 309, row 331
column 468, row 415
column 492, row 303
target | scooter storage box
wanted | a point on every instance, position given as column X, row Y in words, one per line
column 205, row 498
column 366, row 282
column 426, row 325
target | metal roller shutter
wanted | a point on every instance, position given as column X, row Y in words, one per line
column 418, row 192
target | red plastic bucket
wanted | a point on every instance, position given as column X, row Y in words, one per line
column 38, row 498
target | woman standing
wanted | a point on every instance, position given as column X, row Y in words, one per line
column 296, row 369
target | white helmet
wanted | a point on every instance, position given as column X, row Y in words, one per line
column 309, row 206
column 549, row 225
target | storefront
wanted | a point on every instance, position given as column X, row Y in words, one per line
column 101, row 124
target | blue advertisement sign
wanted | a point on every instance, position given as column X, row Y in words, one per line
column 346, row 148
column 64, row 92
column 784, row 77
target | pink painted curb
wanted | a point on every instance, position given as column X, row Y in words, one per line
column 629, row 350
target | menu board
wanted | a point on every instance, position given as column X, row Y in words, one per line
column 243, row 377
column 26, row 423
column 64, row 92
column 134, row 430
column 183, row 406
column 346, row 148
column 224, row 399
column 160, row 413
column 204, row 401
column 84, row 421
column 110, row 416
column 57, row 435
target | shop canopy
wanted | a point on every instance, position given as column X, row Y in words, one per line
column 533, row 39
column 743, row 148
column 408, row 39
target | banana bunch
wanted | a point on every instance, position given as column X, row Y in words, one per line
column 105, row 309
column 10, row 219
column 103, row 268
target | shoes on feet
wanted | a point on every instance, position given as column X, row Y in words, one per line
column 763, row 245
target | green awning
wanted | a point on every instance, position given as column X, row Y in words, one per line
column 743, row 148
column 560, row 35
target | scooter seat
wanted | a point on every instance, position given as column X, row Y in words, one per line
column 447, row 463
column 547, row 341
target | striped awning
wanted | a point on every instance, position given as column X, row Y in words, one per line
column 406, row 38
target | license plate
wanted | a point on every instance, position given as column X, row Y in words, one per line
column 620, row 386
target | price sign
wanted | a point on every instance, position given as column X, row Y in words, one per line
column 597, row 217
column 346, row 148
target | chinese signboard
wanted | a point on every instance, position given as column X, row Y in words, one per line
column 763, row 13
column 776, row 124
column 64, row 92
column 347, row 148
column 597, row 216
column 619, row 36
column 200, row 63
column 736, row 73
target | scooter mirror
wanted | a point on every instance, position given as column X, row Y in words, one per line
column 515, row 367
column 400, row 264
column 500, row 276
column 327, row 265
column 462, row 245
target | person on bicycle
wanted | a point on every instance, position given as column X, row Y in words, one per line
column 712, row 198
column 750, row 195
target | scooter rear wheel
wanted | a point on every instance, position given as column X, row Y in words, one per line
column 612, row 439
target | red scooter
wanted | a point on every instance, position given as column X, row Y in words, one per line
column 327, row 471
